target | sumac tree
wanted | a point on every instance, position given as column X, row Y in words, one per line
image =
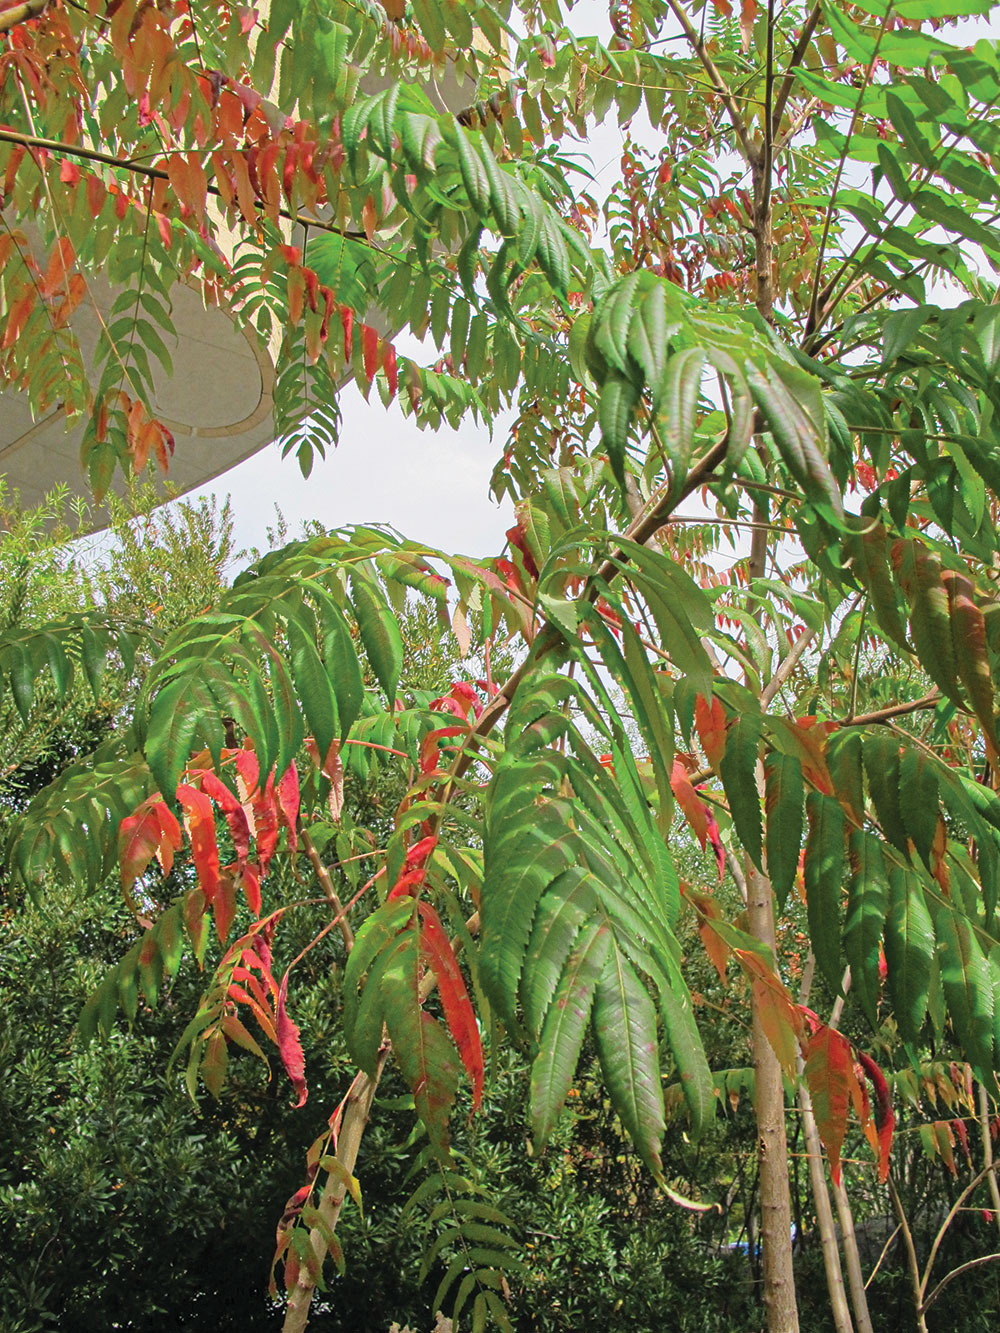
column 787, row 351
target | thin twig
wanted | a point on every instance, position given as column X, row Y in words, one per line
column 797, row 56
column 326, row 882
column 956, row 1272
column 717, row 81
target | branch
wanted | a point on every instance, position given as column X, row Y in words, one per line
column 956, row 1272
column 717, row 81
column 85, row 154
column 818, row 297
column 894, row 710
column 30, row 9
column 973, row 1184
column 357, row 1108
column 768, row 148
column 323, row 875
column 798, row 55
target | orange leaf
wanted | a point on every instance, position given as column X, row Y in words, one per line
column 710, row 720
column 18, row 317
column 780, row 1018
column 829, row 1068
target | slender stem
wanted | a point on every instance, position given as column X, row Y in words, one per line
column 750, row 153
column 797, row 56
column 930, row 700
column 786, row 666
column 956, row 1272
column 911, row 1256
column 987, row 1139
column 881, row 1258
column 814, row 300
column 326, row 883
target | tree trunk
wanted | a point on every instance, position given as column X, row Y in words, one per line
column 824, row 1217
column 852, row 1258
column 817, row 1179
column 356, row 1111
column 772, row 1146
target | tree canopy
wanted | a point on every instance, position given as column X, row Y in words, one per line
column 781, row 346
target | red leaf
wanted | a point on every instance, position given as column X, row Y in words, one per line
column 199, row 819
column 250, row 883
column 236, row 817
column 429, row 752
column 715, row 946
column 695, row 811
column 265, row 814
column 518, row 538
column 69, row 172
column 290, row 1046
column 389, row 366
column 138, row 839
column 96, row 194
column 347, row 321
column 288, row 803
column 885, row 1117
column 224, row 905
column 828, row 1073
column 458, row 1011
column 18, row 317
column 710, row 720
column 170, row 837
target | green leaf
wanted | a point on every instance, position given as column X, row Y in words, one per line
column 919, row 572
column 565, row 1024
column 569, row 903
column 880, row 755
column 909, row 951
column 379, row 630
column 824, row 879
column 783, row 797
column 867, row 904
column 686, row 1046
column 619, row 397
column 315, row 691
column 677, row 397
column 919, row 798
column 624, row 1022
column 738, row 770
column 968, row 989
